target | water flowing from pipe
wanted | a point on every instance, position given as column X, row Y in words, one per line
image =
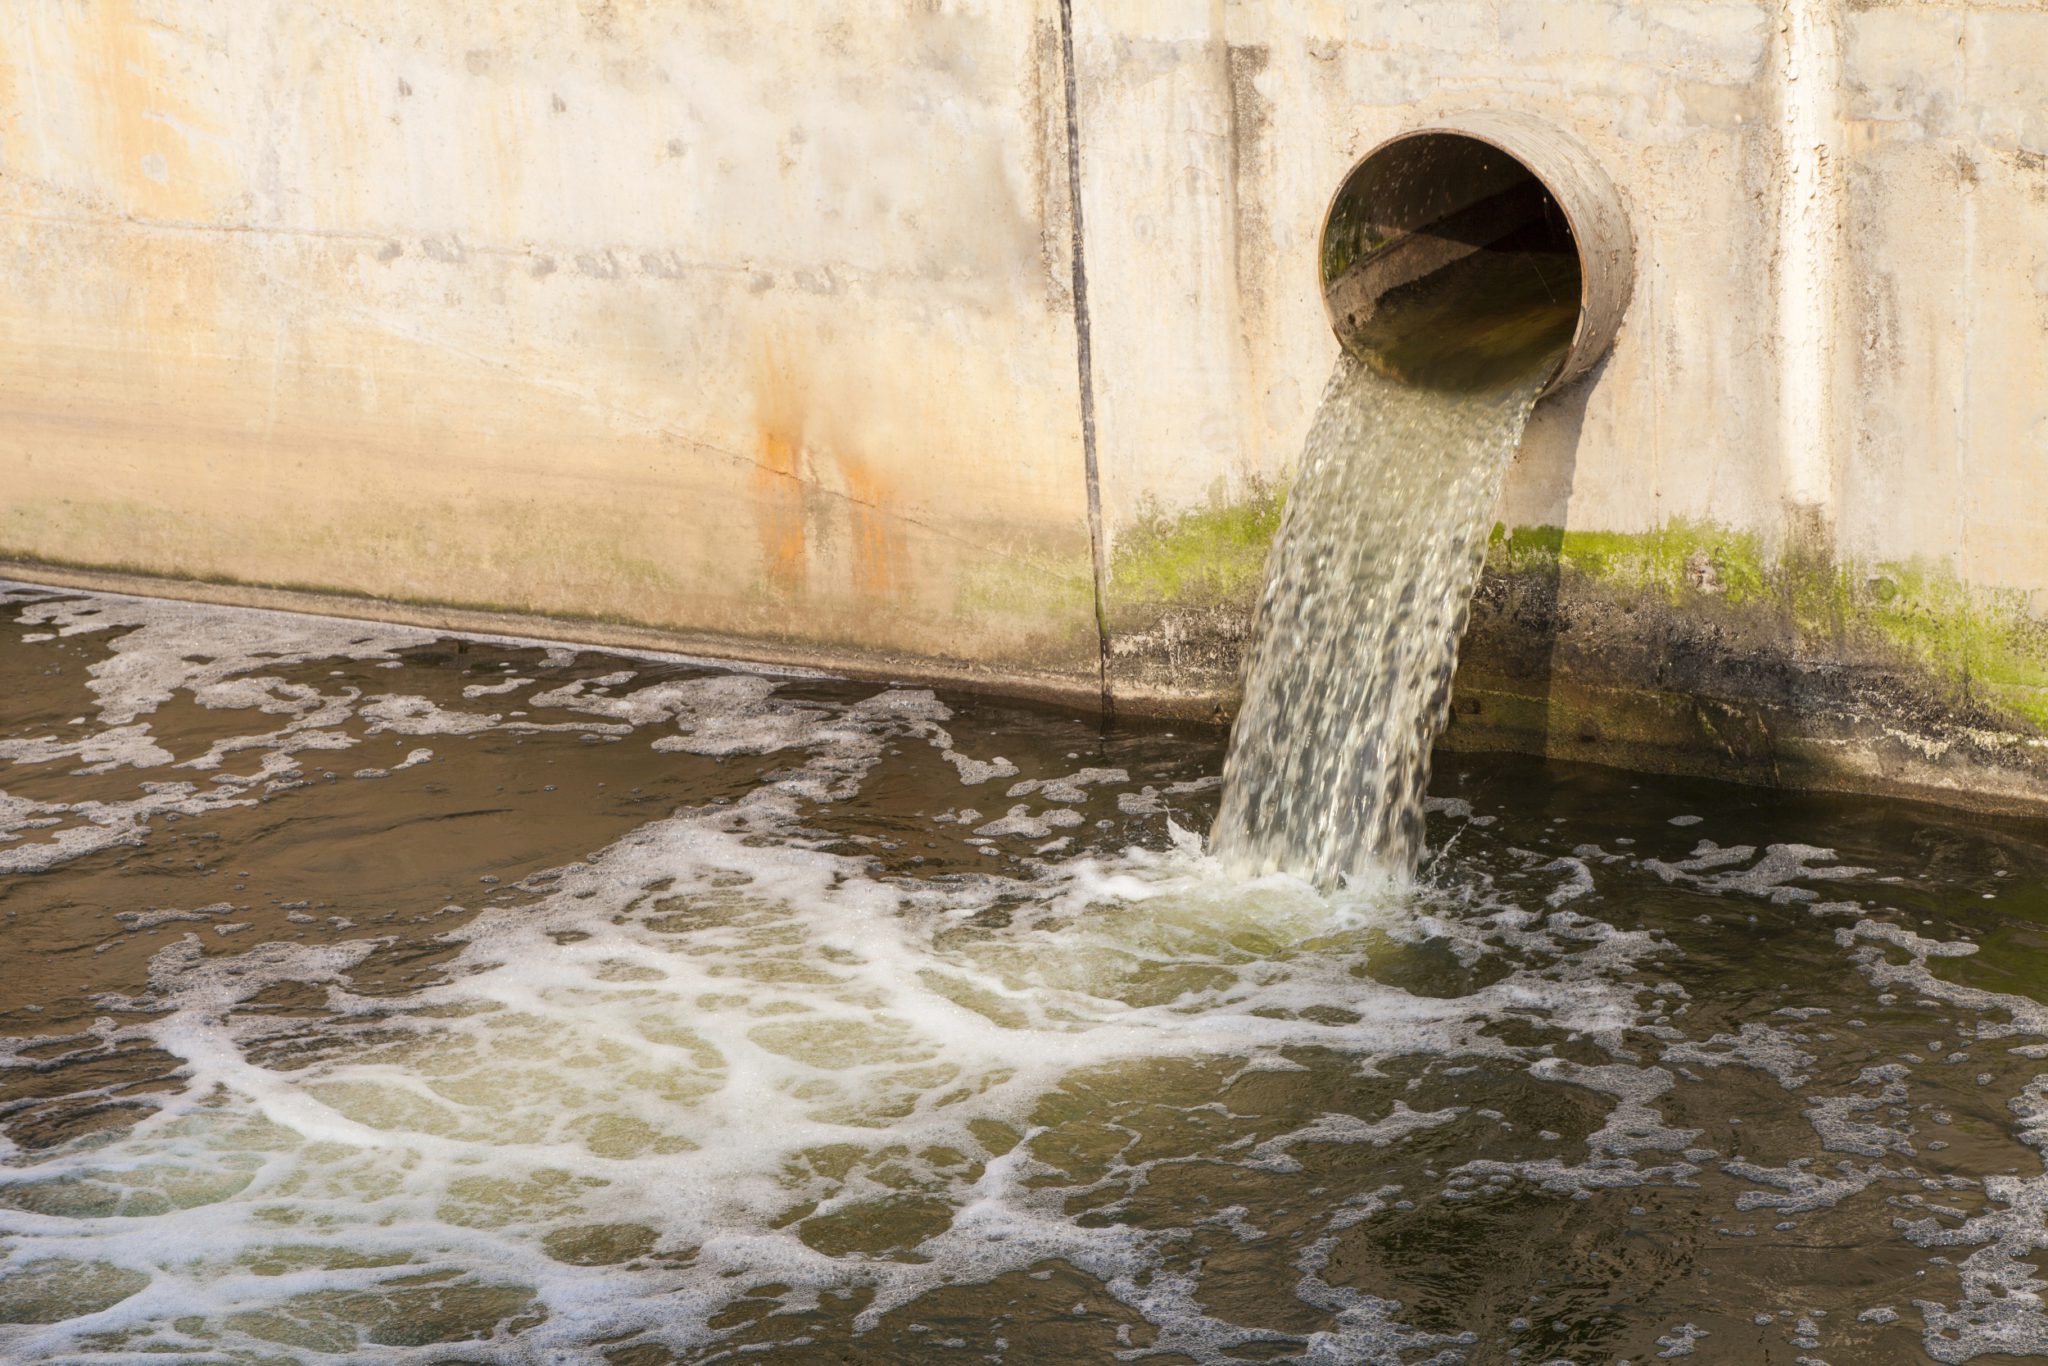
column 1348, row 679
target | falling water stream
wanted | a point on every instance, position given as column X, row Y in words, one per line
column 1348, row 678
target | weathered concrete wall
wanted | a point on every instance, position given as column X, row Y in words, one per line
column 1675, row 99
column 1795, row 529
column 650, row 312
column 763, row 322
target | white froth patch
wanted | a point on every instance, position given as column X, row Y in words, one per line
column 156, row 916
column 662, row 1046
column 1274, row 1155
column 225, row 659
column 1772, row 877
column 1773, row 1051
column 476, row 690
column 165, row 646
column 101, row 752
column 401, row 715
column 66, row 832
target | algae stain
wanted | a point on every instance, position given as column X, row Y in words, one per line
column 1986, row 643
column 1979, row 645
column 1206, row 556
column 1682, row 560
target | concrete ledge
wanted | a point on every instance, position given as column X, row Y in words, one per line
column 1081, row 693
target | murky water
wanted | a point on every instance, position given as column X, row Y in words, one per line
column 376, row 997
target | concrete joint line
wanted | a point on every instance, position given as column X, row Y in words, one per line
column 1084, row 361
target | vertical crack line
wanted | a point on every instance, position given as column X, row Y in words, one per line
column 1085, row 363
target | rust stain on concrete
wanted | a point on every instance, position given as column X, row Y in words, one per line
column 777, row 483
column 879, row 550
column 779, row 488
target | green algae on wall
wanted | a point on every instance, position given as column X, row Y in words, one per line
column 1987, row 643
column 1203, row 557
column 1983, row 646
column 1973, row 646
column 1681, row 559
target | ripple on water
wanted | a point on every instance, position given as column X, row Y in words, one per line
column 775, row 1059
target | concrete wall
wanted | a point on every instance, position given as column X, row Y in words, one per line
column 644, row 311
column 761, row 321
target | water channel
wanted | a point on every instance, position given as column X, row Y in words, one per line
column 378, row 996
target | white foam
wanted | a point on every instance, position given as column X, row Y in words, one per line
column 476, row 690
column 1774, row 1051
column 102, row 752
column 404, row 715
column 1274, row 1154
column 165, row 646
column 156, row 916
column 622, row 1078
column 1771, row 877
column 96, row 825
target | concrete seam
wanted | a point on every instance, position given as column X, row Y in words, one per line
column 1084, row 358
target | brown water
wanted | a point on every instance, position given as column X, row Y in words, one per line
column 703, row 1016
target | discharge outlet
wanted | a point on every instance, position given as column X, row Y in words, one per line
column 1459, row 255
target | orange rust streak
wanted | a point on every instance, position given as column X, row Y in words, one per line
column 878, row 541
column 781, row 524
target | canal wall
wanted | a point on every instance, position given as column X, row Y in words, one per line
column 794, row 332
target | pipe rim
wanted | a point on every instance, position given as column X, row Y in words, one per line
column 1594, row 331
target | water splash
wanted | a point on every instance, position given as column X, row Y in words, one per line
column 1371, row 580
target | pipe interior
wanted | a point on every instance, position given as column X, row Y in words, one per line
column 1447, row 263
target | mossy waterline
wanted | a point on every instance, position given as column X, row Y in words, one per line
column 1975, row 643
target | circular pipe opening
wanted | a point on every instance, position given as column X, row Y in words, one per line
column 1472, row 253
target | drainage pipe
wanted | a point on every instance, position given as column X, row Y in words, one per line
column 1459, row 253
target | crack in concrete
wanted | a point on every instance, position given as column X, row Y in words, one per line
column 1085, row 362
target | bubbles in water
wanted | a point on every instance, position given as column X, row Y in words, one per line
column 805, row 1056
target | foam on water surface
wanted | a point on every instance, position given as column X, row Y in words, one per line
column 778, row 1062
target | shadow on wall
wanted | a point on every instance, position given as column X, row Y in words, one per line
column 1503, row 694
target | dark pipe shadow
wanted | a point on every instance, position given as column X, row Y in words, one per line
column 1504, row 696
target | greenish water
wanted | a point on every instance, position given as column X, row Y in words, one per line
column 378, row 997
